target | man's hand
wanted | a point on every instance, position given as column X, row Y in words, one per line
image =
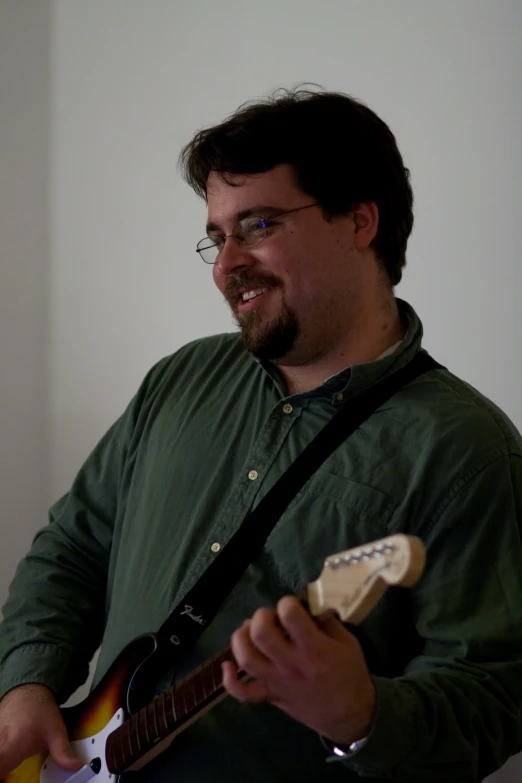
column 314, row 671
column 30, row 722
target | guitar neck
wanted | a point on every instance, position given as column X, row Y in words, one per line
column 351, row 583
column 150, row 730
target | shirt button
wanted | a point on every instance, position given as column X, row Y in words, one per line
column 339, row 396
column 287, row 408
column 253, row 475
column 215, row 547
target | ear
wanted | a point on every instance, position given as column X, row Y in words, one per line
column 366, row 220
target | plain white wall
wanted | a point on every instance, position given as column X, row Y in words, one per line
column 25, row 121
column 130, row 82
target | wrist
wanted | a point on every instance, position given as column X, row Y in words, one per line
column 359, row 726
column 31, row 690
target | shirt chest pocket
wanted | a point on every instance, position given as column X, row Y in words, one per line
column 330, row 514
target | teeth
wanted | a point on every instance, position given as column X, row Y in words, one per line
column 252, row 294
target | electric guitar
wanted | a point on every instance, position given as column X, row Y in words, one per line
column 112, row 733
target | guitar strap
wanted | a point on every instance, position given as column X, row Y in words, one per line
column 180, row 631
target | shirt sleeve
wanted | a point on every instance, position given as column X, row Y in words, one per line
column 54, row 616
column 455, row 714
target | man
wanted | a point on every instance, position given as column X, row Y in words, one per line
column 309, row 213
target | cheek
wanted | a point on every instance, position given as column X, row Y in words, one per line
column 280, row 258
column 218, row 278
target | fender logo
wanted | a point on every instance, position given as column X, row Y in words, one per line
column 196, row 617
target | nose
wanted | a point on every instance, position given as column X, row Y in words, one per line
column 232, row 257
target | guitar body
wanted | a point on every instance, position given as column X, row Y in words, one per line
column 90, row 722
column 118, row 730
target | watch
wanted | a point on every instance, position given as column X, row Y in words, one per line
column 345, row 752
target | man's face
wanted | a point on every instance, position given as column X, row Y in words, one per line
column 293, row 295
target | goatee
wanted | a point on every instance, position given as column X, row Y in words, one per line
column 270, row 341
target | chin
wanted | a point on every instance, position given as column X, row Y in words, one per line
column 272, row 342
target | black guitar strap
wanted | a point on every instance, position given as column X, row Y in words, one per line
column 180, row 631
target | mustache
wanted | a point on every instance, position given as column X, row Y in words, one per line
column 239, row 283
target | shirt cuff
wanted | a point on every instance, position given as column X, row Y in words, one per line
column 41, row 664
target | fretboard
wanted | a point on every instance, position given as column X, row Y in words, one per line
column 165, row 714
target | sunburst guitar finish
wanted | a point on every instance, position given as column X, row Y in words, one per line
column 115, row 731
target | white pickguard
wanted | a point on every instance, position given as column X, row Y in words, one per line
column 87, row 750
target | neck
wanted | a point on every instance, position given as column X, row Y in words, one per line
column 375, row 330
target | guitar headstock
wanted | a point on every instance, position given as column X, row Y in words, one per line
column 352, row 582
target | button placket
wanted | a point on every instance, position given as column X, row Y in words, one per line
column 262, row 454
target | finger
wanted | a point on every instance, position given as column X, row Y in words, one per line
column 269, row 638
column 60, row 748
column 253, row 691
column 245, row 653
column 297, row 622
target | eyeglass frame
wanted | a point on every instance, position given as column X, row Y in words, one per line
column 200, row 250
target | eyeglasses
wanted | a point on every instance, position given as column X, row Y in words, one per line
column 247, row 233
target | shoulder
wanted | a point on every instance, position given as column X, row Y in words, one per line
column 446, row 435
column 445, row 439
column 214, row 364
column 451, row 409
column 200, row 356
column 215, row 345
column 218, row 362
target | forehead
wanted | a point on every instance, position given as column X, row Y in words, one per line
column 242, row 192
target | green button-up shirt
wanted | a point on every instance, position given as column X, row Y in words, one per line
column 208, row 433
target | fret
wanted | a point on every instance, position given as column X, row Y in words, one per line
column 112, row 745
column 151, row 715
column 198, row 687
column 224, row 655
column 171, row 709
column 179, row 705
column 189, row 700
column 125, row 728
column 217, row 677
column 214, row 686
column 166, row 712
column 115, row 753
column 120, row 747
column 160, row 714
column 143, row 724
column 207, row 680
column 134, row 726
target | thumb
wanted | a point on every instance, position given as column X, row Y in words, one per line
column 60, row 749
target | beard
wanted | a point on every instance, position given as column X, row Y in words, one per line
column 272, row 340
column 266, row 341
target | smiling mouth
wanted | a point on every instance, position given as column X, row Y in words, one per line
column 247, row 296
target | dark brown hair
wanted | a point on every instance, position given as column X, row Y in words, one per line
column 342, row 154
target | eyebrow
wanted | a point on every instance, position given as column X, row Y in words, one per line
column 258, row 209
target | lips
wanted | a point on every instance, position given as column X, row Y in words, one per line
column 247, row 296
column 246, row 293
column 250, row 303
